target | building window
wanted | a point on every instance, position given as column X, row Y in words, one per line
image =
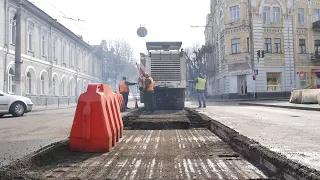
column 71, row 56
column 248, row 44
column 267, row 45
column 28, row 83
column 42, row 85
column 277, row 44
column 42, row 45
column 54, row 50
column 301, row 15
column 316, row 15
column 235, row 46
column 266, row 15
column 304, row 80
column 235, row 13
column 29, row 38
column 302, row 46
column 317, row 46
column 63, row 52
column 12, row 31
column 84, row 62
column 63, row 87
column 54, row 86
column 10, row 80
column 273, row 81
column 276, row 15
column 69, row 89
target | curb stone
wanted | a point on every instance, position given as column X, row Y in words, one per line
column 282, row 106
column 46, row 109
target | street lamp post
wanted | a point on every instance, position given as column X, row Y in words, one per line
column 251, row 44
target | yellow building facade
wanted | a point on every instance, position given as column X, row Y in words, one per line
column 284, row 29
column 307, row 42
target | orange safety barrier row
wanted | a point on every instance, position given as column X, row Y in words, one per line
column 121, row 101
column 97, row 124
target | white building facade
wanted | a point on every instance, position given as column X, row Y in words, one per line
column 56, row 62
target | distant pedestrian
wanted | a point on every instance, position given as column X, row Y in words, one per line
column 200, row 88
column 124, row 90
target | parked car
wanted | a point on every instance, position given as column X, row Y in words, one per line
column 14, row 104
column 130, row 96
column 136, row 96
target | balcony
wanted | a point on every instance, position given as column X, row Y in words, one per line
column 316, row 25
column 206, row 48
column 315, row 57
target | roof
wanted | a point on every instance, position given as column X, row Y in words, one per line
column 163, row 45
column 44, row 16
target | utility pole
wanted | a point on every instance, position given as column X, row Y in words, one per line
column 251, row 42
column 18, row 60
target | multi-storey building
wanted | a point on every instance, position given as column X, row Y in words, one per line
column 307, row 42
column 56, row 62
column 285, row 30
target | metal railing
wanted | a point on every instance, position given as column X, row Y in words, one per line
column 53, row 101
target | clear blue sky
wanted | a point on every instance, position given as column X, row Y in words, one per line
column 166, row 20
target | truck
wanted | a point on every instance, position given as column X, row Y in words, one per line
column 166, row 63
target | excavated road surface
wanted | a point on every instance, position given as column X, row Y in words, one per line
column 153, row 147
column 169, row 154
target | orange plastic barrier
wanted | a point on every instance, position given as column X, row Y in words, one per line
column 93, row 128
column 118, row 114
column 115, row 113
column 121, row 101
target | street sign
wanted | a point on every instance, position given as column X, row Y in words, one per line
column 142, row 32
column 255, row 72
column 301, row 75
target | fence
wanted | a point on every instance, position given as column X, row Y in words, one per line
column 47, row 101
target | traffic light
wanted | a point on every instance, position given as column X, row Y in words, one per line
column 258, row 54
column 262, row 53
column 254, row 77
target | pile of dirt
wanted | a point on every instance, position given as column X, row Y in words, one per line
column 160, row 120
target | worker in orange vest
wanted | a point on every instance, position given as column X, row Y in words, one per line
column 124, row 90
column 148, row 91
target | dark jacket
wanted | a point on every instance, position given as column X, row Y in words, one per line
column 147, row 84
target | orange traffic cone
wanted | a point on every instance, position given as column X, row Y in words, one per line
column 136, row 104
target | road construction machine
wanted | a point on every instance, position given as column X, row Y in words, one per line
column 166, row 63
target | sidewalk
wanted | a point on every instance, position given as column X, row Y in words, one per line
column 235, row 100
column 281, row 104
column 131, row 104
column 54, row 106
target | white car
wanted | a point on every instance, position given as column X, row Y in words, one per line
column 13, row 104
column 136, row 96
column 130, row 97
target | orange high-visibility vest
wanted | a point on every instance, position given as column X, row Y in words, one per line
column 151, row 87
column 123, row 87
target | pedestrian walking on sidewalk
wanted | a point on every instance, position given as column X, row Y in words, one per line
column 200, row 88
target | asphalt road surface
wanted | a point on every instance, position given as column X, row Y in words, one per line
column 151, row 154
column 294, row 133
column 23, row 135
column 20, row 136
